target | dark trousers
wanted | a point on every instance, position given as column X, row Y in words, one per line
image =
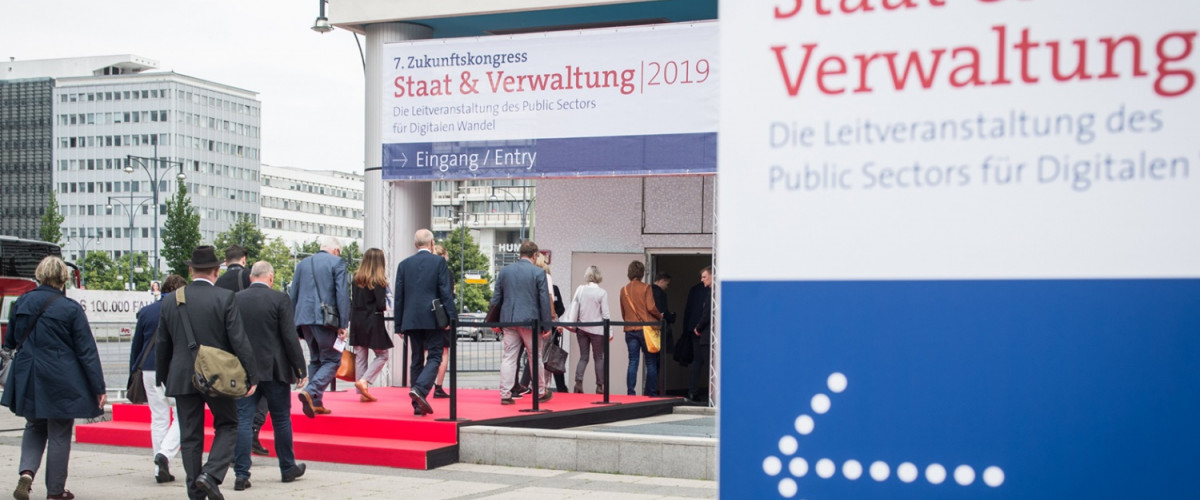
column 635, row 340
column 279, row 403
column 323, row 360
column 699, row 369
column 426, row 356
column 191, row 437
column 54, row 437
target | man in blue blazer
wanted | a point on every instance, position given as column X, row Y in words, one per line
column 320, row 278
column 420, row 279
column 523, row 297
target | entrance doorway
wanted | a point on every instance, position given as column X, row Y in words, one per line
column 684, row 268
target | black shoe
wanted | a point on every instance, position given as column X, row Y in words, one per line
column 164, row 470
column 420, row 402
column 208, row 485
column 257, row 448
column 507, row 401
column 438, row 393
column 546, row 397
column 517, row 392
column 241, row 483
column 295, row 472
column 418, row 413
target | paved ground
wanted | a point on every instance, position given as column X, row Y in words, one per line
column 112, row 472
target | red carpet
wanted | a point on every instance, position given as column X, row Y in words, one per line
column 381, row 433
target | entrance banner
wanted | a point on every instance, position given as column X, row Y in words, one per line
column 982, row 279
column 628, row 101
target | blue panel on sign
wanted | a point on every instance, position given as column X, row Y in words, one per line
column 664, row 154
column 1038, row 389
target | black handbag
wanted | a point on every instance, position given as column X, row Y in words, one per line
column 556, row 356
column 135, row 387
column 439, row 315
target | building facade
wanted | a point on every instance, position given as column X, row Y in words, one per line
column 121, row 140
column 299, row 205
column 497, row 213
column 25, row 154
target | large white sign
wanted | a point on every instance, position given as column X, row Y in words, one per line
column 597, row 102
column 898, row 139
column 109, row 305
column 628, row 81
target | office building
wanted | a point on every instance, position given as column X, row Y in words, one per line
column 299, row 205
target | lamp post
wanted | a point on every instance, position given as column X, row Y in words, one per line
column 83, row 243
column 155, row 178
column 525, row 202
column 129, row 207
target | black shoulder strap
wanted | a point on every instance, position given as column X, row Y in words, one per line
column 241, row 272
column 146, row 350
column 29, row 331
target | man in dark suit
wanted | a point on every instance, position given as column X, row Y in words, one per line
column 235, row 279
column 267, row 318
column 522, row 296
column 214, row 321
column 320, row 278
column 420, row 279
column 697, row 319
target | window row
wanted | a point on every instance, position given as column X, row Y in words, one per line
column 311, row 208
column 223, row 193
column 101, row 141
column 159, row 115
column 313, row 228
column 216, row 102
column 221, row 147
column 209, row 122
column 310, row 187
column 114, row 96
column 231, row 172
column 112, row 232
column 112, row 187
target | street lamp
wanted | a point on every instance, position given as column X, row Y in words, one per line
column 129, row 207
column 525, row 202
column 155, row 178
column 83, row 244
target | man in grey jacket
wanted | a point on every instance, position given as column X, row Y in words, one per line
column 320, row 279
column 523, row 297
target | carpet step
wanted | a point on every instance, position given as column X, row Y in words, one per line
column 401, row 453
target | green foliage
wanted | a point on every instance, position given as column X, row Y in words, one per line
column 100, row 272
column 460, row 244
column 51, row 230
column 245, row 233
column 353, row 257
column 141, row 280
column 181, row 233
column 277, row 253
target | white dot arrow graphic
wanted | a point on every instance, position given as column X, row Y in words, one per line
column 852, row 470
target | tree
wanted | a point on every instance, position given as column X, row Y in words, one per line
column 51, row 230
column 142, row 274
column 181, row 233
column 460, row 244
column 353, row 257
column 277, row 253
column 102, row 272
column 245, row 233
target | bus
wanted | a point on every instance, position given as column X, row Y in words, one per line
column 18, row 260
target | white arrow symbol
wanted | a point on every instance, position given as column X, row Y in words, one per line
column 403, row 160
column 825, row 468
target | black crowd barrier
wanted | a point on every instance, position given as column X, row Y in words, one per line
column 536, row 326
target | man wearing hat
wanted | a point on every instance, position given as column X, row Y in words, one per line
column 214, row 322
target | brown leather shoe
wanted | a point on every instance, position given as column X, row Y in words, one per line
column 321, row 410
column 364, row 395
column 306, row 404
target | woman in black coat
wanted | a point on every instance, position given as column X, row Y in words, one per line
column 368, row 301
column 55, row 376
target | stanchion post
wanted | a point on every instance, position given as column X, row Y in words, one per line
column 453, row 374
column 404, row 361
column 662, row 362
column 534, row 373
column 607, row 351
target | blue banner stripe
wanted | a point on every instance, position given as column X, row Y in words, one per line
column 1071, row 388
column 665, row 154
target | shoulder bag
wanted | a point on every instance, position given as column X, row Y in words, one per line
column 329, row 312
column 135, row 387
column 216, row 373
column 556, row 356
column 7, row 355
column 652, row 334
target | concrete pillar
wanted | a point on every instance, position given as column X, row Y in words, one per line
column 395, row 210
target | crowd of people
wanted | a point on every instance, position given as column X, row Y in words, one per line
column 239, row 313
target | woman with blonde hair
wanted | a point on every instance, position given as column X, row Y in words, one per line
column 368, row 301
column 590, row 304
column 55, row 376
